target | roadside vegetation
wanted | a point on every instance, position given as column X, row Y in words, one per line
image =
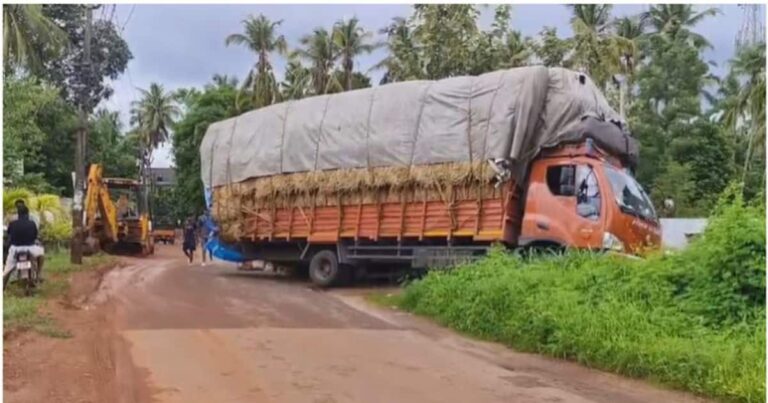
column 693, row 320
column 22, row 313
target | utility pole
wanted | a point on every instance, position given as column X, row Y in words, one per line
column 76, row 248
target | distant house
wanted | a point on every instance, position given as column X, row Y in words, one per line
column 676, row 233
column 163, row 177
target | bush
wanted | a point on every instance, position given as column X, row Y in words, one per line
column 55, row 223
column 694, row 320
column 11, row 195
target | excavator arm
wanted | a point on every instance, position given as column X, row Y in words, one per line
column 97, row 200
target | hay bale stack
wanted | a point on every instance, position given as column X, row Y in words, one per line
column 233, row 204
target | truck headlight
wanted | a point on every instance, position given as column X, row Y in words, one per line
column 611, row 242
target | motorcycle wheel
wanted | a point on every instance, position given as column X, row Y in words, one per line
column 29, row 284
column 7, row 278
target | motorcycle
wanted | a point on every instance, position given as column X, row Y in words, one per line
column 26, row 270
column 28, row 273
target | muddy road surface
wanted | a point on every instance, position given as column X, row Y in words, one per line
column 159, row 330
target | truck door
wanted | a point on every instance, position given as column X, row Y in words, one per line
column 589, row 208
column 564, row 205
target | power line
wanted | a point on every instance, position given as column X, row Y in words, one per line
column 130, row 14
column 112, row 14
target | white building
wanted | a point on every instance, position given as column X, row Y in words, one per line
column 677, row 232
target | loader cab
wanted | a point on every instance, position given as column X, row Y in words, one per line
column 582, row 197
column 129, row 200
column 128, row 196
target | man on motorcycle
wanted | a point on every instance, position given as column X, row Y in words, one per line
column 22, row 236
column 32, row 216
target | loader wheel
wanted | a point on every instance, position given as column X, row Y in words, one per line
column 324, row 269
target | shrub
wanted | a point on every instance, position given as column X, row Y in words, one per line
column 55, row 223
column 693, row 319
column 11, row 195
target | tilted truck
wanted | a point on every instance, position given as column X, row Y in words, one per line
column 427, row 173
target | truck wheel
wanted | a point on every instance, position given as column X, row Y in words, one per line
column 324, row 269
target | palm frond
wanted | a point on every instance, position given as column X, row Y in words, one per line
column 237, row 39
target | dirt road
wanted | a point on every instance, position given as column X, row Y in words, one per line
column 160, row 330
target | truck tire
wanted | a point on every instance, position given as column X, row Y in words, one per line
column 325, row 270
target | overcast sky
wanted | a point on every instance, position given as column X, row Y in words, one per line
column 183, row 45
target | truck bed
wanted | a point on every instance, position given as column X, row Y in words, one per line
column 478, row 213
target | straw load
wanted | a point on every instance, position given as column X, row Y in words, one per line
column 434, row 136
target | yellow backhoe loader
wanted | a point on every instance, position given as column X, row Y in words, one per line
column 116, row 215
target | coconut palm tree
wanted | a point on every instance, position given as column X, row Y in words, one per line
column 402, row 61
column 676, row 20
column 155, row 114
column 596, row 49
column 321, row 51
column 298, row 81
column 633, row 29
column 351, row 40
column 29, row 36
column 185, row 97
column 748, row 108
column 224, row 80
column 517, row 51
column 261, row 37
column 594, row 16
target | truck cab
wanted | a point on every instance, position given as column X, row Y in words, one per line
column 581, row 197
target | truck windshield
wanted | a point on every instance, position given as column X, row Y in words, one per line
column 629, row 194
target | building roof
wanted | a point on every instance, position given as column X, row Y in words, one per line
column 163, row 176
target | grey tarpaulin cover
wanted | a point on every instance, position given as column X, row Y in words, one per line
column 508, row 114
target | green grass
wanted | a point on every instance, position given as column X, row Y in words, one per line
column 694, row 320
column 22, row 313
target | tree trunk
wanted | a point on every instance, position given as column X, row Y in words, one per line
column 348, row 65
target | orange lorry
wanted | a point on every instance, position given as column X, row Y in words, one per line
column 575, row 191
column 164, row 235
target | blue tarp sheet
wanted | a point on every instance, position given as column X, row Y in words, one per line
column 217, row 248
column 222, row 251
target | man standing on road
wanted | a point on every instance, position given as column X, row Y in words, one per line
column 190, row 239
